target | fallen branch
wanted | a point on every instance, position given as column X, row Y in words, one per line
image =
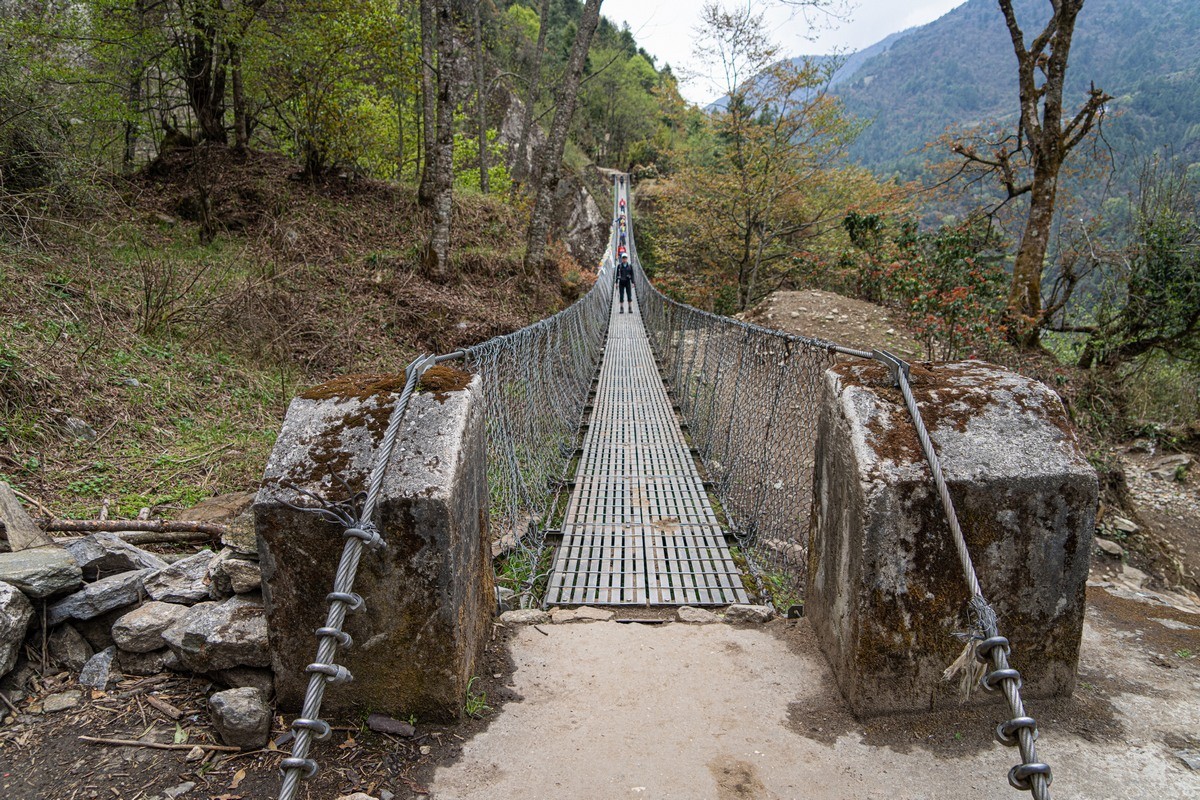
column 212, row 530
column 159, row 745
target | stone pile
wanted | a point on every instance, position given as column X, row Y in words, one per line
column 113, row 609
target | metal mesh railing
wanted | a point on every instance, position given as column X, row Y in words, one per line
column 535, row 387
column 749, row 395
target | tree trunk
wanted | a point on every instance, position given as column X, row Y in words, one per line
column 1025, row 292
column 429, row 34
column 481, row 101
column 204, row 60
column 520, row 168
column 132, row 129
column 241, row 128
column 437, row 252
column 551, row 157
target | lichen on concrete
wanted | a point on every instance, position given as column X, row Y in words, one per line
column 885, row 587
column 428, row 592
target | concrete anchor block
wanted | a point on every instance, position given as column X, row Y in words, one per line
column 428, row 594
column 885, row 587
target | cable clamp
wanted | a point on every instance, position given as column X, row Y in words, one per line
column 319, row 727
column 991, row 681
column 896, row 365
column 983, row 650
column 1006, row 732
column 369, row 535
column 307, row 764
column 351, row 599
column 343, row 638
column 1018, row 776
column 334, row 673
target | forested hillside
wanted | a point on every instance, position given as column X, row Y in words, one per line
column 205, row 205
column 960, row 71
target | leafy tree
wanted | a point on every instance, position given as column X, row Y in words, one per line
column 1151, row 304
column 767, row 180
column 1028, row 161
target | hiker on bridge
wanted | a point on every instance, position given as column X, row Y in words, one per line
column 624, row 283
column 621, row 205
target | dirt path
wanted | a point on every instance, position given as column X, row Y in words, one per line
column 613, row 710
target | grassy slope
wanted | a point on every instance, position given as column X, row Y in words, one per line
column 302, row 282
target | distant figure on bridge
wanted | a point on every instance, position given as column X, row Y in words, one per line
column 621, row 205
column 624, row 283
column 621, row 253
column 621, row 243
column 621, row 223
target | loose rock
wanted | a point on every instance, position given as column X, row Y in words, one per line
column 525, row 616
column 1125, row 525
column 696, row 616
column 215, row 636
column 97, row 598
column 96, row 671
column 41, row 571
column 15, row 613
column 181, row 789
column 185, row 581
column 103, row 554
column 744, row 613
column 584, row 614
column 79, row 429
column 67, row 648
column 1112, row 548
column 61, row 701
column 141, row 630
column 244, row 576
column 241, row 717
column 382, row 723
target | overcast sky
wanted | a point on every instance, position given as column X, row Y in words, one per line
column 666, row 29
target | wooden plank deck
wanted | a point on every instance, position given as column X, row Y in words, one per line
column 639, row 529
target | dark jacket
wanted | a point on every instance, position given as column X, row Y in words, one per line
column 624, row 272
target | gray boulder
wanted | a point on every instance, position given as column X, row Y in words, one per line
column 67, row 648
column 185, row 581
column 102, row 596
column 244, row 575
column 15, row 613
column 241, row 716
column 141, row 630
column 103, row 554
column 150, row 663
column 230, row 572
column 41, row 571
column 215, row 636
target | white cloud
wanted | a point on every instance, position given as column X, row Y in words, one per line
column 666, row 29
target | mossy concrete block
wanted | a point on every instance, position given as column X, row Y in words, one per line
column 429, row 593
column 885, row 588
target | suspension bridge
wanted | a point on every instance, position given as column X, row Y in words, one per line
column 641, row 513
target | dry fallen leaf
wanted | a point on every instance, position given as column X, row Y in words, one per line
column 238, row 777
column 346, row 745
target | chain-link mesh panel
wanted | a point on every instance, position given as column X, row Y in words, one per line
column 749, row 396
column 535, row 385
